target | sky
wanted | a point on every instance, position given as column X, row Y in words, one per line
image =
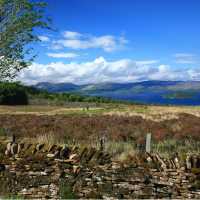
column 98, row 41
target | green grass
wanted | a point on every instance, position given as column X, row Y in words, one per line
column 65, row 191
column 169, row 146
column 2, row 132
column 13, row 197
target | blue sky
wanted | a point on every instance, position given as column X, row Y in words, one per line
column 118, row 41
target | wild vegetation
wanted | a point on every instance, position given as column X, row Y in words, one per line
column 18, row 21
column 123, row 133
column 84, row 146
column 13, row 93
column 103, row 148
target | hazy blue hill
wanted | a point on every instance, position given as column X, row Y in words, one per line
column 106, row 86
column 57, row 87
column 150, row 92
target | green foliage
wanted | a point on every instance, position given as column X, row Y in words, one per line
column 173, row 145
column 12, row 94
column 17, row 94
column 196, row 185
column 65, row 191
column 14, row 197
column 2, row 132
column 18, row 19
column 66, row 97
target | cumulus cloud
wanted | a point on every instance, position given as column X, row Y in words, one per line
column 44, row 38
column 194, row 74
column 62, row 55
column 101, row 70
column 185, row 58
column 71, row 35
column 78, row 41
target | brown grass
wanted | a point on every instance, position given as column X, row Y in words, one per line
column 154, row 113
column 124, row 127
column 88, row 128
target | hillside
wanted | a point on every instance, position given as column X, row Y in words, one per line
column 149, row 92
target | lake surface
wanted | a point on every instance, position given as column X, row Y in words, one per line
column 153, row 98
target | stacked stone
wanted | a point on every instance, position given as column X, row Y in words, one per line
column 35, row 171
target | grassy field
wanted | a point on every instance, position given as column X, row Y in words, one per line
column 155, row 113
column 123, row 126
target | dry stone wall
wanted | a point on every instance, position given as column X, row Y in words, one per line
column 38, row 171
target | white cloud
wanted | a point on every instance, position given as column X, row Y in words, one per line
column 71, row 35
column 147, row 62
column 78, row 41
column 43, row 38
column 194, row 74
column 101, row 70
column 55, row 46
column 62, row 55
column 185, row 58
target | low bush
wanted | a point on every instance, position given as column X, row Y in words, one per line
column 65, row 190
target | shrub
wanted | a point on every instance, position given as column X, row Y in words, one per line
column 65, row 190
column 2, row 132
column 12, row 94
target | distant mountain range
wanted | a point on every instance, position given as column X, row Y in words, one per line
column 148, row 92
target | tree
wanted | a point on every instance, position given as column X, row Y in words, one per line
column 18, row 21
column 13, row 94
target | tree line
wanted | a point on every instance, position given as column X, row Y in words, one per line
column 14, row 93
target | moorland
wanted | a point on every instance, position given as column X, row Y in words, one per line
column 74, row 146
